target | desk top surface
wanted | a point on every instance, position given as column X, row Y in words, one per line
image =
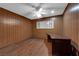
column 54, row 36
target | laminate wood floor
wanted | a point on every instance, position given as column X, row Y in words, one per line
column 30, row 47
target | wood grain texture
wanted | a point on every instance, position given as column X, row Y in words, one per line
column 70, row 21
column 78, row 31
column 13, row 28
column 49, row 46
column 30, row 47
column 42, row 33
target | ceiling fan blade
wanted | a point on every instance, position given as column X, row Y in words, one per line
column 40, row 4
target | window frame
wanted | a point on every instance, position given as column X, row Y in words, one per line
column 52, row 21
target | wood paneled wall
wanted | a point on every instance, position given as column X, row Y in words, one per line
column 78, row 31
column 41, row 33
column 71, row 23
column 13, row 28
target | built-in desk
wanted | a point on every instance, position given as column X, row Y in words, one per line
column 61, row 45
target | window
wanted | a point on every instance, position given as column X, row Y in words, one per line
column 47, row 24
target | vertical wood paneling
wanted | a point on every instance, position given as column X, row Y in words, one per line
column 41, row 33
column 13, row 28
column 70, row 21
column 78, row 31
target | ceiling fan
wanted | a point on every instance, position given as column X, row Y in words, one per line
column 39, row 11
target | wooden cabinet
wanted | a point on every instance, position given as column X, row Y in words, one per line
column 61, row 46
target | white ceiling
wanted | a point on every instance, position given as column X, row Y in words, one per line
column 35, row 10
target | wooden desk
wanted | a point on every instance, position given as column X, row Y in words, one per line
column 61, row 45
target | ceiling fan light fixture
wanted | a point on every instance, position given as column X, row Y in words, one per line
column 42, row 11
column 38, row 14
